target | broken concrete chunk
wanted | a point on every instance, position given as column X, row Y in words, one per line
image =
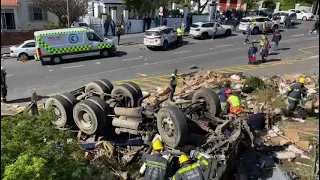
column 285, row 155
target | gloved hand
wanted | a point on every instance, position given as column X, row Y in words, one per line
column 194, row 153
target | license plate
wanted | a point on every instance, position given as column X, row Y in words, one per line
column 150, row 40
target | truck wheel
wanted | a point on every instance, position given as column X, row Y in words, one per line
column 104, row 53
column 89, row 117
column 172, row 126
column 103, row 106
column 56, row 59
column 136, row 88
column 107, row 83
column 211, row 99
column 131, row 97
column 96, row 88
column 62, row 109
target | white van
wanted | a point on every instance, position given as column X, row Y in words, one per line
column 54, row 46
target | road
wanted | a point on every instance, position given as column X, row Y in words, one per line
column 134, row 62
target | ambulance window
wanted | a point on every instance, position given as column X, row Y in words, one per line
column 93, row 37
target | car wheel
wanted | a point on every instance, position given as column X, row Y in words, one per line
column 56, row 59
column 104, row 53
column 255, row 31
column 165, row 45
column 23, row 57
column 204, row 35
column 228, row 32
column 304, row 18
column 150, row 48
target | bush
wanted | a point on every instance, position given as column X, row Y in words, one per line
column 254, row 83
column 50, row 25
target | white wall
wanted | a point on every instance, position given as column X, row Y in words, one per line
column 198, row 18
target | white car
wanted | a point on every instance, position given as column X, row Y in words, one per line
column 282, row 15
column 255, row 23
column 204, row 30
column 302, row 14
column 162, row 36
column 24, row 50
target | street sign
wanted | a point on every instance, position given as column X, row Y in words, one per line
column 160, row 11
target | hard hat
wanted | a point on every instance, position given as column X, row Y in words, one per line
column 302, row 80
column 157, row 145
column 183, row 158
column 228, row 91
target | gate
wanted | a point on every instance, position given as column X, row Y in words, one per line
column 98, row 29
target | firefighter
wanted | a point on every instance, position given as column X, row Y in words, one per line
column 294, row 94
column 3, row 85
column 180, row 34
column 173, row 84
column 156, row 166
column 233, row 105
column 189, row 171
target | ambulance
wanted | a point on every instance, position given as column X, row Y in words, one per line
column 57, row 45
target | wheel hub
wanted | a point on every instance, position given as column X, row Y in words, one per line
column 56, row 59
column 86, row 120
column 168, row 127
column 57, row 112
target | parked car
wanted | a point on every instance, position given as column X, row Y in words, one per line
column 256, row 24
column 162, row 36
column 302, row 14
column 25, row 50
column 282, row 14
column 204, row 30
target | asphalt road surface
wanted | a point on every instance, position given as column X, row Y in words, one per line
column 225, row 54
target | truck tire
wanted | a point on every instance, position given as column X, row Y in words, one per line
column 103, row 106
column 128, row 92
column 211, row 98
column 172, row 126
column 62, row 109
column 89, row 117
column 71, row 98
column 136, row 88
column 98, row 87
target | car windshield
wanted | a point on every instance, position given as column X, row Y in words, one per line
column 304, row 11
column 245, row 20
column 152, row 33
column 195, row 25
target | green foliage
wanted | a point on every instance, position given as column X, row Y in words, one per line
column 255, row 83
column 31, row 149
column 287, row 4
column 251, row 4
column 144, row 7
column 50, row 25
column 100, row 15
column 174, row 13
column 270, row 5
column 187, row 4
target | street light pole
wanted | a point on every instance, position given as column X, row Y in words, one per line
column 68, row 17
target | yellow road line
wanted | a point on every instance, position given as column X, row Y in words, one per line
column 310, row 47
column 231, row 69
column 155, row 82
column 163, row 79
column 144, row 84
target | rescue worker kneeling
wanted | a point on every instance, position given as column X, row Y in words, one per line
column 191, row 171
column 233, row 105
column 156, row 166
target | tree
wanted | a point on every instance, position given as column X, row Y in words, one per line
column 201, row 7
column 251, row 4
column 77, row 8
column 144, row 6
column 32, row 149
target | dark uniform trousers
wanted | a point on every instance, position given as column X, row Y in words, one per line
column 3, row 88
column 193, row 171
column 294, row 94
column 157, row 167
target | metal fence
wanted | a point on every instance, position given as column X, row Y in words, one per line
column 97, row 29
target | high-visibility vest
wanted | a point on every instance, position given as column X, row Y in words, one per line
column 175, row 81
column 235, row 104
column 179, row 30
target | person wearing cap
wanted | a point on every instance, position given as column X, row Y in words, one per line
column 173, row 84
column 295, row 93
column 189, row 171
column 4, row 89
column 233, row 105
column 157, row 167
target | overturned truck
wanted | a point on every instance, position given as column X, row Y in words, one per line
column 101, row 108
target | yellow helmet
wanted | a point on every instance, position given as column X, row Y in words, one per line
column 157, row 145
column 183, row 158
column 302, row 80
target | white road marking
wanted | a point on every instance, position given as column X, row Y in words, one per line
column 8, row 75
column 50, row 70
column 180, row 52
column 72, row 66
column 224, row 45
column 98, row 63
column 297, row 35
column 312, row 57
column 132, row 59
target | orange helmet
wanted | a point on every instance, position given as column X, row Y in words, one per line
column 228, row 91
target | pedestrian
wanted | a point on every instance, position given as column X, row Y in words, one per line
column 106, row 26
column 157, row 167
column 173, row 84
column 265, row 26
column 235, row 24
column 294, row 94
column 276, row 39
column 265, row 51
column 247, row 33
column 128, row 26
column 315, row 27
column 252, row 53
column 164, row 23
column 222, row 94
column 233, row 103
column 4, row 87
column 215, row 29
column 257, row 123
column 113, row 27
column 119, row 30
column 156, row 21
column 144, row 24
column 191, row 171
column 180, row 34
column 148, row 22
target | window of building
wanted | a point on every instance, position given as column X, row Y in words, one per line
column 37, row 14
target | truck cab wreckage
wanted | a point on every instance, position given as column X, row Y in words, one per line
column 99, row 108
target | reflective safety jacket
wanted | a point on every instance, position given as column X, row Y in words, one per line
column 295, row 91
column 156, row 167
column 179, row 31
column 192, row 171
column 174, row 79
column 235, row 104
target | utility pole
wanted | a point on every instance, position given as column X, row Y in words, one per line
column 68, row 17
